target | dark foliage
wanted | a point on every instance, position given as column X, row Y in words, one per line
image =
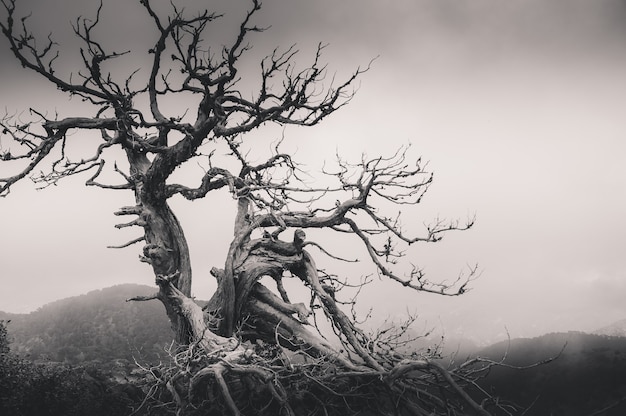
column 29, row 389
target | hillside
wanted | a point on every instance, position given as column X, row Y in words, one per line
column 587, row 376
column 102, row 329
column 98, row 326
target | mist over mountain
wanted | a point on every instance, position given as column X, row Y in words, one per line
column 616, row 329
column 98, row 326
column 586, row 376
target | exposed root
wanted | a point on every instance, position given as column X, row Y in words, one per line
column 255, row 379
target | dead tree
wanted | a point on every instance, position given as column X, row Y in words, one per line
column 249, row 346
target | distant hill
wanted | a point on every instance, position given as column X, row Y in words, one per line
column 588, row 375
column 99, row 326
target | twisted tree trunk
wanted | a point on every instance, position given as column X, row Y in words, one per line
column 166, row 248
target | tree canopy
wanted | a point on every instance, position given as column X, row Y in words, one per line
column 250, row 345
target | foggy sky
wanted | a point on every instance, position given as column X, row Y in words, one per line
column 518, row 106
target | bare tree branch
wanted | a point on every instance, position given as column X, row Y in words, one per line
column 248, row 345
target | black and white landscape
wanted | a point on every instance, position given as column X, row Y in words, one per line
column 412, row 207
column 101, row 330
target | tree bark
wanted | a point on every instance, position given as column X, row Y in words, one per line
column 168, row 254
column 166, row 248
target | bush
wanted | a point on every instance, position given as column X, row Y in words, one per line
column 29, row 389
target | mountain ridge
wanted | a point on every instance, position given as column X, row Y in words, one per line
column 584, row 373
column 107, row 309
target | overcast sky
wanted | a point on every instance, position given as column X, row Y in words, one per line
column 518, row 105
